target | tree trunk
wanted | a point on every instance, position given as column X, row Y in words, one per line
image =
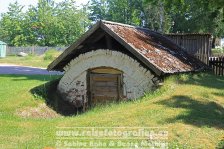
column 213, row 42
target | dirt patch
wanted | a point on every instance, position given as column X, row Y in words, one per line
column 42, row 111
column 53, row 99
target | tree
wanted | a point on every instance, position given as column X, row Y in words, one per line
column 73, row 22
column 123, row 11
column 47, row 24
column 156, row 17
column 133, row 12
column 99, row 10
column 11, row 25
column 194, row 16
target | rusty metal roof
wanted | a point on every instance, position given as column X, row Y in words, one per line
column 157, row 49
column 158, row 52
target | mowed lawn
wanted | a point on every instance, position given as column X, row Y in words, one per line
column 32, row 60
column 35, row 61
column 190, row 106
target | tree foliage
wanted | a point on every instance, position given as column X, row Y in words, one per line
column 47, row 24
column 123, row 11
column 163, row 15
column 51, row 24
column 194, row 16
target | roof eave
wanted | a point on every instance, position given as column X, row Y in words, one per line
column 203, row 69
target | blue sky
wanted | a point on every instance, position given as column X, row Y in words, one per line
column 5, row 3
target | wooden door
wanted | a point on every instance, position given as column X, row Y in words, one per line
column 104, row 88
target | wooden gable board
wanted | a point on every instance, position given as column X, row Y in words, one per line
column 73, row 47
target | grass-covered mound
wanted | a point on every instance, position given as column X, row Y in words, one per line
column 190, row 106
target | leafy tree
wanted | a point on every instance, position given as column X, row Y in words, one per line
column 134, row 12
column 157, row 18
column 194, row 16
column 47, row 24
column 123, row 11
column 11, row 25
column 99, row 10
column 51, row 24
column 73, row 22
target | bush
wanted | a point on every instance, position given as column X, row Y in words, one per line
column 220, row 145
column 51, row 54
column 218, row 50
column 30, row 56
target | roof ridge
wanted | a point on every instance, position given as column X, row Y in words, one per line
column 116, row 23
column 127, row 25
column 132, row 26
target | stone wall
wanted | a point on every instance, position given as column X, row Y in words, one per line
column 136, row 79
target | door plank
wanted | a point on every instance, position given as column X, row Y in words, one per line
column 104, row 87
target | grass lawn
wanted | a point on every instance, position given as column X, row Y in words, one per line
column 191, row 107
column 35, row 61
column 32, row 60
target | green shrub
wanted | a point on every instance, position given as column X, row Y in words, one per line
column 29, row 57
column 51, row 54
column 220, row 145
column 218, row 50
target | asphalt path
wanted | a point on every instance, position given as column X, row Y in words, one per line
column 25, row 70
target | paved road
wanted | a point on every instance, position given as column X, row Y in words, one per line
column 26, row 70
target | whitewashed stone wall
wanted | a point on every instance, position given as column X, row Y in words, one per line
column 136, row 79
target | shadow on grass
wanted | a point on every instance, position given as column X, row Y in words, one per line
column 221, row 94
column 198, row 113
column 205, row 79
column 49, row 93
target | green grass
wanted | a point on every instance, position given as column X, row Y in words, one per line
column 51, row 54
column 218, row 51
column 190, row 106
column 32, row 60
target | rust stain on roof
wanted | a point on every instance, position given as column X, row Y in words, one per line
column 157, row 49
